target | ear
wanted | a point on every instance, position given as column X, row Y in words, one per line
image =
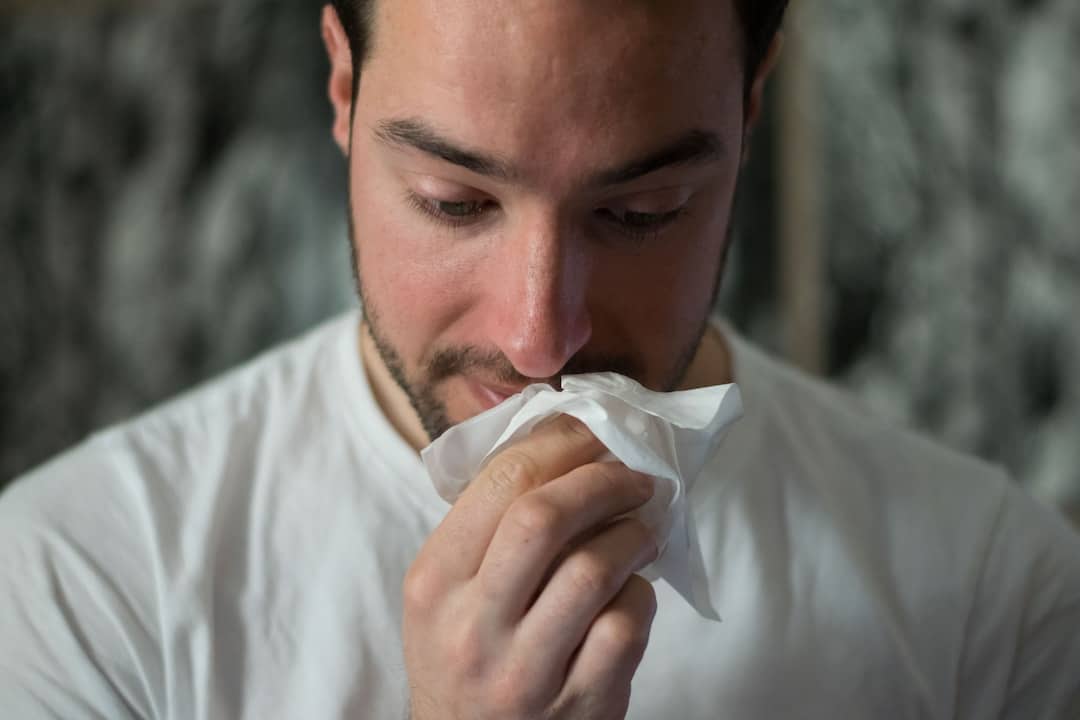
column 340, row 86
column 756, row 99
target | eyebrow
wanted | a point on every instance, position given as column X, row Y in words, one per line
column 696, row 147
column 418, row 135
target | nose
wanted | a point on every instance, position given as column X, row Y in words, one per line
column 539, row 313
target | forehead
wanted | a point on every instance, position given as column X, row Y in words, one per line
column 557, row 80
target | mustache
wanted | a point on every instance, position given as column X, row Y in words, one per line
column 447, row 362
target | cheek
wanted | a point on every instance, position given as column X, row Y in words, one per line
column 662, row 294
column 407, row 271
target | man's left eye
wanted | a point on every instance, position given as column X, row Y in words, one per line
column 633, row 220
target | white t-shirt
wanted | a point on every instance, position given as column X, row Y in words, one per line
column 239, row 552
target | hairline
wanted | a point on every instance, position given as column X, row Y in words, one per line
column 360, row 25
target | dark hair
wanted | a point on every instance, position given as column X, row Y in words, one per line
column 760, row 18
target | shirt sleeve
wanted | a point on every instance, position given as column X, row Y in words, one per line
column 76, row 637
column 1022, row 656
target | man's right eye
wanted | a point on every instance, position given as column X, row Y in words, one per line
column 451, row 212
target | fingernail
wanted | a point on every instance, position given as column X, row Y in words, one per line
column 652, row 553
column 646, row 484
column 655, row 547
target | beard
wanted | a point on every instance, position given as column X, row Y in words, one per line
column 422, row 388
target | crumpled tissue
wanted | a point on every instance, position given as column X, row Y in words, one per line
column 669, row 436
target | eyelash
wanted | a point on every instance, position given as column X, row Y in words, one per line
column 653, row 225
column 430, row 208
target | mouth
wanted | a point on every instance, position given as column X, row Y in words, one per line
column 488, row 396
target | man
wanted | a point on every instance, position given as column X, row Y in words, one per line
column 536, row 189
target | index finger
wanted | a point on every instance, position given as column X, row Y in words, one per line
column 552, row 450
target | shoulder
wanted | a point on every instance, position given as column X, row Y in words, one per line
column 291, row 385
column 825, row 433
column 80, row 606
column 150, row 465
column 1022, row 645
column 108, row 545
column 874, row 478
column 981, row 580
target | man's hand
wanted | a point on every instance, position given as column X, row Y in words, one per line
column 523, row 602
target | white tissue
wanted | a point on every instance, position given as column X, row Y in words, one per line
column 669, row 436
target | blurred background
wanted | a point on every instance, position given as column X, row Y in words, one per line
column 171, row 204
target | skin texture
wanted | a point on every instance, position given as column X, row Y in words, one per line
column 505, row 232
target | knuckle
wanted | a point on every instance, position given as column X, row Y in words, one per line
column 575, row 430
column 512, row 471
column 422, row 588
column 467, row 652
column 513, row 693
column 616, row 478
column 534, row 515
column 610, row 474
column 622, row 633
column 590, row 574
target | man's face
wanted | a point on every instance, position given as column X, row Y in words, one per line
column 540, row 188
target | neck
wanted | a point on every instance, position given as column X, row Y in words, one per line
column 712, row 363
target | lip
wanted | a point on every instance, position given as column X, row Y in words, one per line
column 489, row 395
